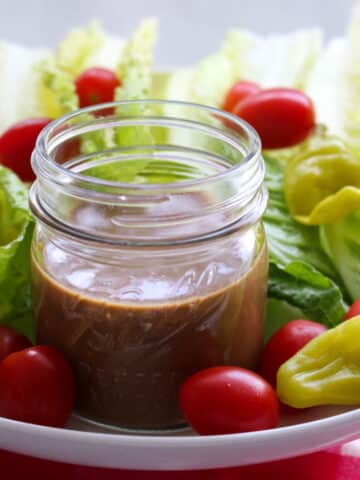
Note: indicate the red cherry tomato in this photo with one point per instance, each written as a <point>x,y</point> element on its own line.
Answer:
<point>288,340</point>
<point>17,144</point>
<point>282,116</point>
<point>221,400</point>
<point>96,85</point>
<point>354,310</point>
<point>37,386</point>
<point>238,92</point>
<point>11,341</point>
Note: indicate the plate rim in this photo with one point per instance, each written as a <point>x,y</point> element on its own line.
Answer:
<point>341,426</point>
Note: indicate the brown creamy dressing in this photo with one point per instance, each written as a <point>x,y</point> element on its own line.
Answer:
<point>135,330</point>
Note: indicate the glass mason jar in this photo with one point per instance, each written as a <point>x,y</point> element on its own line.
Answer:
<point>149,259</point>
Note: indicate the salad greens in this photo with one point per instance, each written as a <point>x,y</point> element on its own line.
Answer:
<point>312,221</point>
<point>302,286</point>
<point>134,69</point>
<point>74,54</point>
<point>341,241</point>
<point>18,83</point>
<point>301,274</point>
<point>16,227</point>
<point>288,240</point>
<point>135,65</point>
<point>334,84</point>
<point>271,61</point>
<point>49,91</point>
<point>313,186</point>
<point>56,88</point>
<point>37,82</point>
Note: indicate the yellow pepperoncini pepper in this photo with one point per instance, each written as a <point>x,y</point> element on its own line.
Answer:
<point>324,372</point>
<point>322,181</point>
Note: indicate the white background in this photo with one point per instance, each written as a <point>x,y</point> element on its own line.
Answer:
<point>189,29</point>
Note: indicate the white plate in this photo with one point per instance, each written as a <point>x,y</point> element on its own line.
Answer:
<point>82,444</point>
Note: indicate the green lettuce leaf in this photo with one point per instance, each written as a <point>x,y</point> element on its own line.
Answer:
<point>278,59</point>
<point>19,83</point>
<point>35,82</point>
<point>302,286</point>
<point>56,89</point>
<point>56,92</point>
<point>334,84</point>
<point>341,241</point>
<point>302,279</point>
<point>16,227</point>
<point>134,70</point>
<point>278,313</point>
<point>274,60</point>
<point>73,55</point>
<point>288,240</point>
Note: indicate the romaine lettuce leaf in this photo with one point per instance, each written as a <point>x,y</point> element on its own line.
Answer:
<point>37,83</point>
<point>19,83</point>
<point>159,82</point>
<point>278,313</point>
<point>74,53</point>
<point>324,83</point>
<point>341,241</point>
<point>109,53</point>
<point>302,278</point>
<point>56,89</point>
<point>302,286</point>
<point>274,60</point>
<point>134,70</point>
<point>16,227</point>
<point>288,240</point>
<point>214,75</point>
<point>334,84</point>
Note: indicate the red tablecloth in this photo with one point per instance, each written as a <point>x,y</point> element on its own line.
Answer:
<point>333,464</point>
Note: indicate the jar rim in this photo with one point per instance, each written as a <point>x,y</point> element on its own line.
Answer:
<point>237,197</point>
<point>253,138</point>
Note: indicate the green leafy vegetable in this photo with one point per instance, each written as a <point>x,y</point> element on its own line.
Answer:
<point>206,86</point>
<point>278,313</point>
<point>275,60</point>
<point>288,240</point>
<point>16,227</point>
<point>73,55</point>
<point>302,278</point>
<point>302,286</point>
<point>56,90</point>
<point>19,83</point>
<point>35,82</point>
<point>341,241</point>
<point>271,61</point>
<point>134,70</point>
<point>334,84</point>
